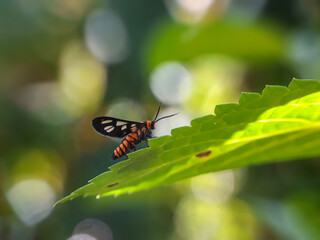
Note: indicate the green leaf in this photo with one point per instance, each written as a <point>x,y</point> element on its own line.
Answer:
<point>281,124</point>
<point>170,41</point>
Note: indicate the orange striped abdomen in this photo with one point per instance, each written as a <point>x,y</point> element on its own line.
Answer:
<point>127,144</point>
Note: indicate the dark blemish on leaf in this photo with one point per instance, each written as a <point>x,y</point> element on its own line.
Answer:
<point>204,154</point>
<point>113,184</point>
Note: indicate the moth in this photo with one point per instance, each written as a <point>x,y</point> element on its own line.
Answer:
<point>131,132</point>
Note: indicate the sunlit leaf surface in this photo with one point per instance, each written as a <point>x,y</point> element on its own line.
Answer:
<point>283,123</point>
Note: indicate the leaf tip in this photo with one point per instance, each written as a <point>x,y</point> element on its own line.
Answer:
<point>248,97</point>
<point>222,109</point>
<point>67,198</point>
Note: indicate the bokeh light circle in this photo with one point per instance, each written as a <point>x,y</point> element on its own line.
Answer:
<point>216,79</point>
<point>305,49</point>
<point>31,200</point>
<point>213,187</point>
<point>200,11</point>
<point>171,83</point>
<point>195,6</point>
<point>106,36</point>
<point>82,80</point>
<point>201,220</point>
<point>82,236</point>
<point>91,229</point>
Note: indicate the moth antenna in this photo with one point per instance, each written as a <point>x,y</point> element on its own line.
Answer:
<point>167,117</point>
<point>157,112</point>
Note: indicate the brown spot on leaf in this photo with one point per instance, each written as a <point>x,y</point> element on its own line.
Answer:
<point>204,154</point>
<point>113,184</point>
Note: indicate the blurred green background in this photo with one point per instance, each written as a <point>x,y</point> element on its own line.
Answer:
<point>63,63</point>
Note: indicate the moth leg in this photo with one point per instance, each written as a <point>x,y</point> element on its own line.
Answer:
<point>147,142</point>
<point>144,136</point>
<point>132,146</point>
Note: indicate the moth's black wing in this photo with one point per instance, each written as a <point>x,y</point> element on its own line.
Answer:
<point>113,127</point>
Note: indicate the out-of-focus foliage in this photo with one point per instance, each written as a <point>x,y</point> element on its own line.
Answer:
<point>288,216</point>
<point>223,38</point>
<point>63,63</point>
<point>283,124</point>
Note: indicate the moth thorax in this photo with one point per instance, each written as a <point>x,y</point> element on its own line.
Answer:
<point>148,124</point>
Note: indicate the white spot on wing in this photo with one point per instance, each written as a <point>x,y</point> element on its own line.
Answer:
<point>106,121</point>
<point>119,123</point>
<point>109,128</point>
<point>123,127</point>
